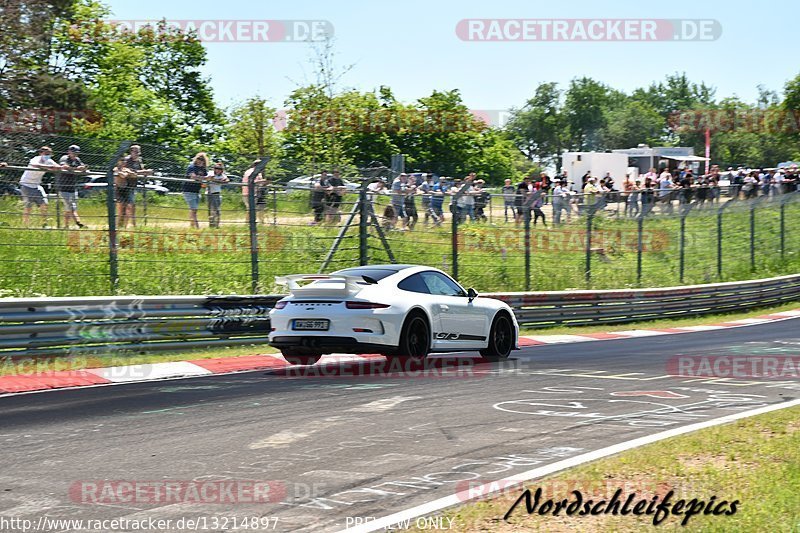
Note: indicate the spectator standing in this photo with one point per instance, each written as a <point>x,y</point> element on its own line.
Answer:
<point>633,199</point>
<point>627,188</point>
<point>560,201</point>
<point>410,206</point>
<point>66,183</point>
<point>508,199</point>
<point>481,200</point>
<point>665,188</point>
<point>648,195</point>
<point>425,190</point>
<point>398,193</point>
<point>438,190</point>
<point>522,191</point>
<point>333,198</point>
<point>537,205</point>
<point>318,191</point>
<point>133,161</point>
<point>125,180</point>
<point>196,174</point>
<point>749,188</point>
<point>466,202</point>
<point>214,192</point>
<point>30,184</point>
<point>590,192</point>
<point>373,190</point>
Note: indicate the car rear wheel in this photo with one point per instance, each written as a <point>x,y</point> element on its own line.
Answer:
<point>296,358</point>
<point>415,338</point>
<point>501,339</point>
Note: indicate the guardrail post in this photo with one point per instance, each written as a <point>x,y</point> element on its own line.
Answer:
<point>113,262</point>
<point>363,209</point>
<point>251,223</point>
<point>589,218</point>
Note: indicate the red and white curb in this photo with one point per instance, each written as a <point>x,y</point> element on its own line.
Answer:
<point>117,375</point>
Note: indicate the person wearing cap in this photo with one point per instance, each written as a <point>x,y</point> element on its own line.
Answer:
<point>30,184</point>
<point>127,182</point>
<point>66,183</point>
<point>437,191</point>
<point>590,191</point>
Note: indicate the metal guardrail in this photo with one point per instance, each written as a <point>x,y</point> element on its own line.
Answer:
<point>58,326</point>
<point>574,308</point>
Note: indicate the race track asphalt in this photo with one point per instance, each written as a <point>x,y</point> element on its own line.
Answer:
<point>331,445</point>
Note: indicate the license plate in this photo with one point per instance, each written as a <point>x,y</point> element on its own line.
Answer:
<point>311,325</point>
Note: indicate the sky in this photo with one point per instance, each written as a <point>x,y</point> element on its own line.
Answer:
<point>413,47</point>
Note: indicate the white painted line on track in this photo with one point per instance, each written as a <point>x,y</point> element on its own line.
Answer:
<point>506,483</point>
<point>148,372</point>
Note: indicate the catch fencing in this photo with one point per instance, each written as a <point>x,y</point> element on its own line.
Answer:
<point>282,224</point>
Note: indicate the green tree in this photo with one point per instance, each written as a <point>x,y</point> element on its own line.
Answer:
<point>538,128</point>
<point>586,103</point>
<point>635,122</point>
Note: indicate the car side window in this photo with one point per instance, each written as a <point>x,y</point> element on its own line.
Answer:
<point>441,285</point>
<point>414,284</point>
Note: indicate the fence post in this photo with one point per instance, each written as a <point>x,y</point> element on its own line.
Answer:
<point>640,231</point>
<point>363,209</point>
<point>527,220</point>
<point>274,205</point>
<point>752,236</point>
<point>783,226</point>
<point>682,253</point>
<point>454,236</point>
<point>251,222</point>
<point>589,217</point>
<point>113,263</point>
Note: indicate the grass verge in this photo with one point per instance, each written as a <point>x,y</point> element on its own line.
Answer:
<point>755,461</point>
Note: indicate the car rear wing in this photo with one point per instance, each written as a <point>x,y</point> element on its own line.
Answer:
<point>322,285</point>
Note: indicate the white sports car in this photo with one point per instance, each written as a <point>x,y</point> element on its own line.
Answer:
<point>396,310</point>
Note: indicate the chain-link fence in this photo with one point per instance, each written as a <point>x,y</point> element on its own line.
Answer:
<point>164,227</point>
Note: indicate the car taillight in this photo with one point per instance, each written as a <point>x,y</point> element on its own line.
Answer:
<point>365,305</point>
<point>280,305</point>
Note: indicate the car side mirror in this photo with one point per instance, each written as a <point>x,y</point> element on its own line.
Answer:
<point>471,294</point>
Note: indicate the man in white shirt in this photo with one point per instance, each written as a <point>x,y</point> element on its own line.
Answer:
<point>560,201</point>
<point>31,184</point>
<point>665,187</point>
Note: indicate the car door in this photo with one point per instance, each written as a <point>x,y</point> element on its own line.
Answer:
<point>463,323</point>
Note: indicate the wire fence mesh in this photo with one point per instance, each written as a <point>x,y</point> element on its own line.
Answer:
<point>178,229</point>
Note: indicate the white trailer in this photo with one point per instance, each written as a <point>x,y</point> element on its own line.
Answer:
<point>597,164</point>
